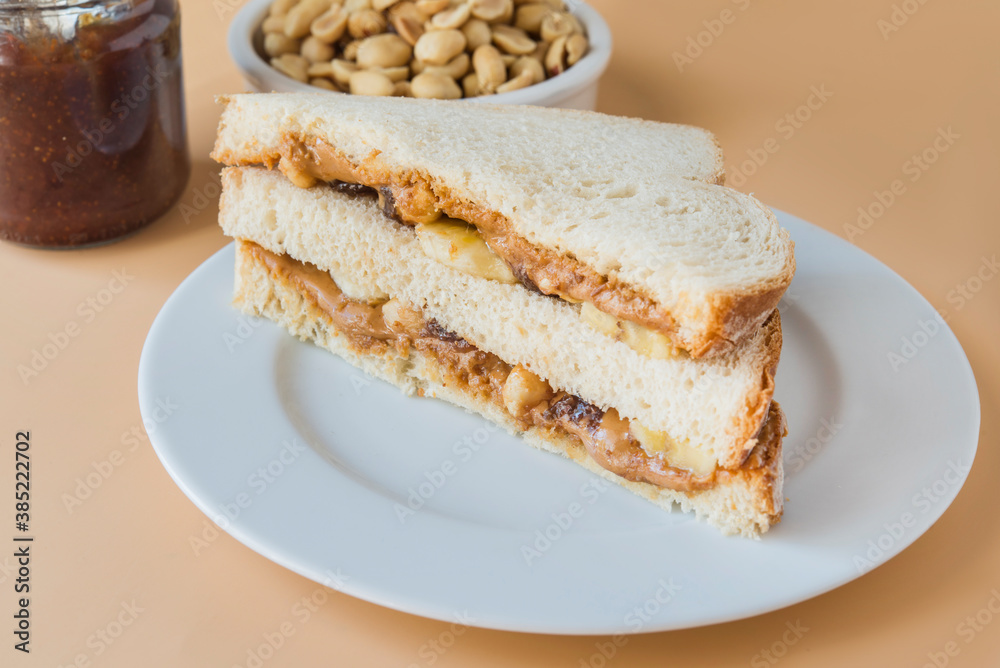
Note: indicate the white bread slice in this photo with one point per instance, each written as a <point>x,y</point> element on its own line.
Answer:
<point>717,404</point>
<point>633,201</point>
<point>746,502</point>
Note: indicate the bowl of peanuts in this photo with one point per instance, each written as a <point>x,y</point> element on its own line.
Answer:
<point>539,52</point>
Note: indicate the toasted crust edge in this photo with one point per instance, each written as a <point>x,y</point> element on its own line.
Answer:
<point>753,420</point>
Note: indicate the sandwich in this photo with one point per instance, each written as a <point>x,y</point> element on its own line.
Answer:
<point>582,280</point>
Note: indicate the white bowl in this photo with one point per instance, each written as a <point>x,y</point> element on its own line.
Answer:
<point>576,88</point>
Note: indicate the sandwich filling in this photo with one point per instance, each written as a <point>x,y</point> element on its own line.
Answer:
<point>390,326</point>
<point>412,200</point>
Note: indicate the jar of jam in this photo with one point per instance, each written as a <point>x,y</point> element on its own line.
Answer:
<point>93,142</point>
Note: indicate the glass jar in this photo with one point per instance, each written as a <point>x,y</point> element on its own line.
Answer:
<point>93,142</point>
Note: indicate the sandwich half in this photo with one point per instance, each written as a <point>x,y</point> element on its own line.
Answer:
<point>624,219</point>
<point>334,267</point>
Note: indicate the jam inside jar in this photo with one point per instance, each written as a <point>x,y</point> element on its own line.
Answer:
<point>93,142</point>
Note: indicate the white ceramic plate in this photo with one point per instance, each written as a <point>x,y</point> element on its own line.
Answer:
<point>878,450</point>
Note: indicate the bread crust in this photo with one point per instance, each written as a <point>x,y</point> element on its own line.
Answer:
<point>745,501</point>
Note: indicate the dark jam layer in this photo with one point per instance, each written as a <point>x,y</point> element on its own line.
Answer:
<point>93,143</point>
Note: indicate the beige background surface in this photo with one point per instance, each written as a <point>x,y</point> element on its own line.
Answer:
<point>128,544</point>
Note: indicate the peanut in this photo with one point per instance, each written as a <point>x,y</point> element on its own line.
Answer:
<point>278,44</point>
<point>301,16</point>
<point>470,85</point>
<point>331,25</point>
<point>523,390</point>
<point>491,10</point>
<point>292,65</point>
<point>529,17</point>
<point>321,70</point>
<point>342,71</point>
<point>430,7</point>
<point>477,32</point>
<point>402,318</point>
<point>382,5</point>
<point>451,18</point>
<point>489,68</point>
<point>365,23</point>
<point>408,28</point>
<point>555,58</point>
<point>383,51</point>
<point>367,82</point>
<point>409,10</point>
<point>530,65</point>
<point>522,80</point>
<point>512,40</point>
<point>395,74</point>
<point>555,25</point>
<point>274,24</point>
<point>281,7</point>
<point>315,50</point>
<point>438,86</point>
<point>324,83</point>
<point>417,203</point>
<point>351,50</point>
<point>440,46</point>
<point>576,48</point>
<point>455,68</point>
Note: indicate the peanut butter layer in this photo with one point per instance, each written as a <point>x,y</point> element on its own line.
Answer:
<point>413,200</point>
<point>362,323</point>
<point>483,375</point>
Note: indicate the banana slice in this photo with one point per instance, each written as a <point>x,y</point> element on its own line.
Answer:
<point>460,246</point>
<point>643,340</point>
<point>601,321</point>
<point>676,454</point>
